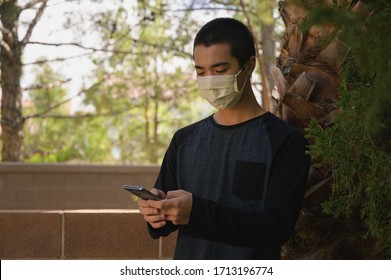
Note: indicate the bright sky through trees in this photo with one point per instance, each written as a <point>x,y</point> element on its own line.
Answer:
<point>78,67</point>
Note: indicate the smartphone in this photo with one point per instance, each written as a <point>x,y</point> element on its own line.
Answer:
<point>141,192</point>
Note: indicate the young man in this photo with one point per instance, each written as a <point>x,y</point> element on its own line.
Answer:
<point>233,183</point>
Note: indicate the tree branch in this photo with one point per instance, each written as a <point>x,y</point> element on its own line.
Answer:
<point>43,113</point>
<point>108,50</point>
<point>6,40</point>
<point>82,116</point>
<point>59,83</point>
<point>31,4</point>
<point>192,9</point>
<point>7,33</point>
<point>42,61</point>
<point>37,17</point>
<point>46,111</point>
<point>266,91</point>
<point>4,46</point>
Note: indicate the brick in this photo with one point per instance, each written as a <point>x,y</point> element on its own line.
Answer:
<point>30,235</point>
<point>108,235</point>
<point>16,180</point>
<point>142,180</point>
<point>47,181</point>
<point>113,181</point>
<point>7,198</point>
<point>25,197</point>
<point>73,199</point>
<point>81,181</point>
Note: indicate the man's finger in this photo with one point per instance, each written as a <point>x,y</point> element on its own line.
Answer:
<point>158,224</point>
<point>155,203</point>
<point>154,218</point>
<point>159,193</point>
<point>148,211</point>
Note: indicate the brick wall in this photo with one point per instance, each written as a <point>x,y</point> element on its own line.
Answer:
<point>79,234</point>
<point>44,213</point>
<point>60,186</point>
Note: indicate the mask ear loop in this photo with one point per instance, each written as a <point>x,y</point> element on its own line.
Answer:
<point>236,79</point>
<point>240,71</point>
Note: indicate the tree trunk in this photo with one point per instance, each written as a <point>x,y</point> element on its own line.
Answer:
<point>268,57</point>
<point>11,71</point>
<point>265,43</point>
<point>307,79</point>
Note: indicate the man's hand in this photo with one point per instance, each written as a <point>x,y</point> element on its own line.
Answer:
<point>176,207</point>
<point>152,214</point>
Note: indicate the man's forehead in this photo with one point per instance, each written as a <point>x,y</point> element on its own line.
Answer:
<point>221,47</point>
<point>213,53</point>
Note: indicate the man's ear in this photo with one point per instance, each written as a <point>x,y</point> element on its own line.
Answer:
<point>250,65</point>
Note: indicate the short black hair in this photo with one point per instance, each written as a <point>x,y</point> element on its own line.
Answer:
<point>228,31</point>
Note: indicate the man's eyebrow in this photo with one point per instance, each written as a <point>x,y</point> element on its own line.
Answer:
<point>222,63</point>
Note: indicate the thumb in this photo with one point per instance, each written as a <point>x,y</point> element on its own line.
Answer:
<point>159,193</point>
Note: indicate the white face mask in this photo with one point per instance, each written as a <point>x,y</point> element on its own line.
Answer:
<point>221,91</point>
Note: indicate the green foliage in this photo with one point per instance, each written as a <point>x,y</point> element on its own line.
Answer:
<point>150,96</point>
<point>143,84</point>
<point>358,144</point>
<point>55,137</point>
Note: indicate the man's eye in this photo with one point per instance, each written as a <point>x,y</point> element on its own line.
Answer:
<point>221,71</point>
<point>200,73</point>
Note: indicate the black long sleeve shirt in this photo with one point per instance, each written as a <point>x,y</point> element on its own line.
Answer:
<point>248,182</point>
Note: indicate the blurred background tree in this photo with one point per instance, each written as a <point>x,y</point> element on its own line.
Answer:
<point>50,133</point>
<point>141,86</point>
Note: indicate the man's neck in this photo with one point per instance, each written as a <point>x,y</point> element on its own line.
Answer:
<point>247,109</point>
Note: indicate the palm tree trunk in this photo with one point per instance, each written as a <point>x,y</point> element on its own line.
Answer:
<point>307,76</point>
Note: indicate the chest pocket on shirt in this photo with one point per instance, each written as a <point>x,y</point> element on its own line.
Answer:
<point>249,179</point>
